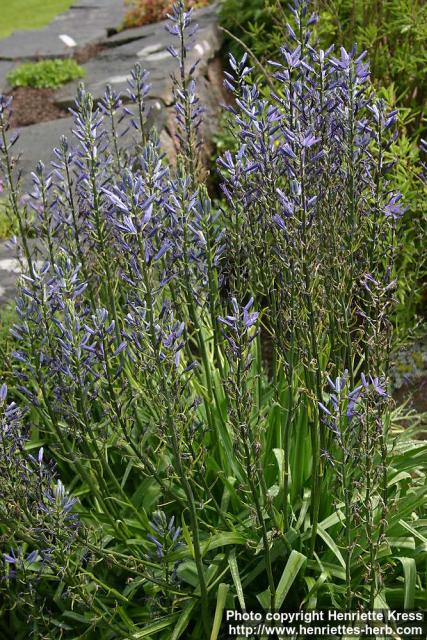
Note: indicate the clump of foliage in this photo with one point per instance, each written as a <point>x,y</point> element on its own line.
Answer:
<point>7,319</point>
<point>7,226</point>
<point>394,33</point>
<point>45,74</point>
<point>205,419</point>
<point>148,11</point>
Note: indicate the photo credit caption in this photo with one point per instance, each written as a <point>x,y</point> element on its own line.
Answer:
<point>387,623</point>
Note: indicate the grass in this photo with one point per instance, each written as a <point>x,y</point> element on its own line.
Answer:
<point>29,14</point>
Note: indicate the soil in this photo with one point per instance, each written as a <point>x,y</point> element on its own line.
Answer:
<point>416,392</point>
<point>31,106</point>
<point>84,54</point>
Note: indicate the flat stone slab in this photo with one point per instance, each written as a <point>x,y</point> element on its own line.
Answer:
<point>85,22</point>
<point>36,142</point>
<point>115,70</point>
<point>129,35</point>
<point>151,50</point>
<point>202,17</point>
<point>9,271</point>
<point>11,268</point>
<point>5,67</point>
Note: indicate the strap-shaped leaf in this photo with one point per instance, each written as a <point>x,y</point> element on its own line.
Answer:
<point>234,570</point>
<point>219,609</point>
<point>410,576</point>
<point>154,627</point>
<point>331,544</point>
<point>183,621</point>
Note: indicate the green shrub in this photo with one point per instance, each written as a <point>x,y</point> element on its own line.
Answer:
<point>7,318</point>
<point>46,74</point>
<point>6,227</point>
<point>393,31</point>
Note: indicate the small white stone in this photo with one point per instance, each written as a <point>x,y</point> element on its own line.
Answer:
<point>67,40</point>
<point>158,106</point>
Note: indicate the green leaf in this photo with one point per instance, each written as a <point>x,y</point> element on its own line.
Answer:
<point>290,572</point>
<point>410,576</point>
<point>264,598</point>
<point>219,609</point>
<point>300,451</point>
<point>402,542</point>
<point>126,473</point>
<point>187,536</point>
<point>86,619</point>
<point>304,508</point>
<point>334,570</point>
<point>313,586</point>
<point>293,565</point>
<point>187,571</point>
<point>183,621</point>
<point>280,457</point>
<point>414,532</point>
<point>380,602</point>
<point>403,475</point>
<point>156,626</point>
<point>331,544</point>
<point>234,570</point>
<point>333,519</point>
<point>222,540</point>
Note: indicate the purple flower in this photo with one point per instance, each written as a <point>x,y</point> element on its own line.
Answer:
<point>394,207</point>
<point>249,319</point>
<point>3,393</point>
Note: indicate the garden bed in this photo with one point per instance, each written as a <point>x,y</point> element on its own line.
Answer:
<point>31,106</point>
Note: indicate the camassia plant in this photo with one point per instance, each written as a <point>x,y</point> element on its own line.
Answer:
<point>198,416</point>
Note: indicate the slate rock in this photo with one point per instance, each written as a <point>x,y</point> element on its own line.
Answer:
<point>115,70</point>
<point>130,35</point>
<point>9,271</point>
<point>114,65</point>
<point>11,268</point>
<point>36,142</point>
<point>5,67</point>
